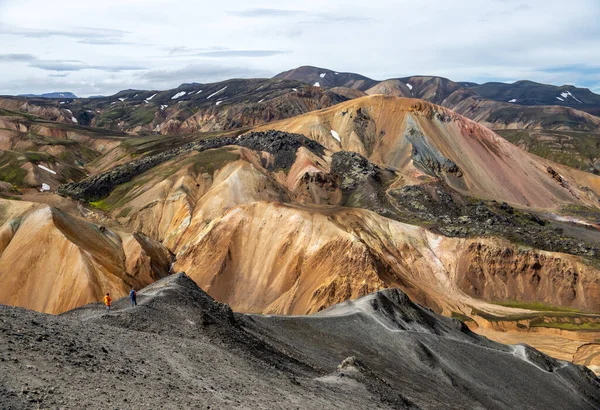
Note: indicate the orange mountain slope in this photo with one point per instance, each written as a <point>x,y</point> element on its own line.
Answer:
<point>393,131</point>
<point>51,261</point>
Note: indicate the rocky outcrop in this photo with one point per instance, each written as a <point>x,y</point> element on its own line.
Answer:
<point>456,215</point>
<point>497,273</point>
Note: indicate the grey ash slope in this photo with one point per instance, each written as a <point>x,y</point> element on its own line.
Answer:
<point>433,360</point>
<point>179,348</point>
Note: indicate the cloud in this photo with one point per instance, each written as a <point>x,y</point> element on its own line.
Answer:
<point>220,52</point>
<point>107,42</point>
<point>73,65</point>
<point>506,12</point>
<point>240,53</point>
<point>258,13</point>
<point>115,68</point>
<point>201,73</point>
<point>75,32</point>
<point>307,17</point>
<point>57,65</point>
<point>574,68</point>
<point>64,65</point>
<point>17,57</point>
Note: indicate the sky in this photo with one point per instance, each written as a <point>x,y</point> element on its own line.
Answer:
<point>100,47</point>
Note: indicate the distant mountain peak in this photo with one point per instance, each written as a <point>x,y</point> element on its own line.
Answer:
<point>327,78</point>
<point>55,94</point>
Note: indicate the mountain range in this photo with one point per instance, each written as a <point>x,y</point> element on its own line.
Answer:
<point>290,198</point>
<point>557,123</point>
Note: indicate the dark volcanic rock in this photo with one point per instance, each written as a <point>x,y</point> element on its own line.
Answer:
<point>282,145</point>
<point>362,182</point>
<point>454,215</point>
<point>352,168</point>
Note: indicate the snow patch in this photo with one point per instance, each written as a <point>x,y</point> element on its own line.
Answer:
<point>178,95</point>
<point>322,75</point>
<point>47,169</point>
<point>295,89</point>
<point>74,120</point>
<point>567,94</point>
<point>514,100</point>
<point>151,97</point>
<point>218,102</point>
<point>45,187</point>
<point>316,84</point>
<point>122,99</point>
<point>62,102</point>
<point>213,94</point>
<point>261,100</point>
<point>409,86</point>
<point>336,135</point>
<point>198,92</point>
<point>337,73</point>
<point>69,111</point>
<point>162,107</point>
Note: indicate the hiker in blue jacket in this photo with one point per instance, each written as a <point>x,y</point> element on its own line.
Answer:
<point>133,296</point>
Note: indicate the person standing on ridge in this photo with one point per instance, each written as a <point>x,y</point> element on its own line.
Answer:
<point>133,297</point>
<point>107,301</point>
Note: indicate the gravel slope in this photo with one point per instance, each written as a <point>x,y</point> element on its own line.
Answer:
<point>179,348</point>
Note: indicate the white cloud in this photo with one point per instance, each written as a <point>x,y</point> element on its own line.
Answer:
<point>205,41</point>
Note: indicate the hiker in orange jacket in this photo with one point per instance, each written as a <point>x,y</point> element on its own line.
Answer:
<point>107,301</point>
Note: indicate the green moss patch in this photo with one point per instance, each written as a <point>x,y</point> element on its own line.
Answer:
<point>461,317</point>
<point>587,326</point>
<point>539,306</point>
<point>101,204</point>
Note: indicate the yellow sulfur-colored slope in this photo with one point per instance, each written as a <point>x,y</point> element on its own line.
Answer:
<point>289,259</point>
<point>52,262</point>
